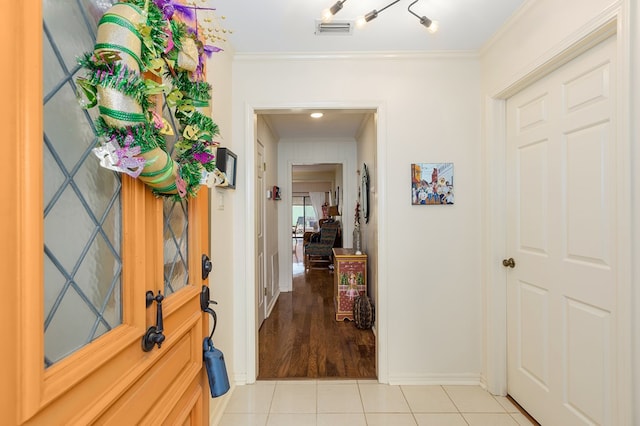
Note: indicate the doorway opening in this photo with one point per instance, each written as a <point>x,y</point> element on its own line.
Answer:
<point>301,338</point>
<point>282,151</point>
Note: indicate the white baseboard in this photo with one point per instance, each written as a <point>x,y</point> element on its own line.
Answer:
<point>273,303</point>
<point>240,379</point>
<point>435,379</point>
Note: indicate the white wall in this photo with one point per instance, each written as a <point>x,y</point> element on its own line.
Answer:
<point>634,16</point>
<point>366,149</point>
<point>538,27</point>
<point>305,151</point>
<point>430,301</point>
<point>542,30</point>
<point>222,238</point>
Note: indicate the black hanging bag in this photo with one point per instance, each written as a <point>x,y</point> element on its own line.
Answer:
<point>213,358</point>
<point>216,369</point>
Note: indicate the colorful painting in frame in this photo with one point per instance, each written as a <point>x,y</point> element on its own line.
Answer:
<point>432,183</point>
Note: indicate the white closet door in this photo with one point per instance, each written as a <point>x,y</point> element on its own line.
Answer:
<point>561,187</point>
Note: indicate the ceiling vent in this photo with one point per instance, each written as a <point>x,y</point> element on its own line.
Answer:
<point>334,27</point>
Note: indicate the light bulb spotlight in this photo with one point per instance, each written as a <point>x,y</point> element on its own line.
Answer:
<point>371,16</point>
<point>327,14</point>
<point>431,26</point>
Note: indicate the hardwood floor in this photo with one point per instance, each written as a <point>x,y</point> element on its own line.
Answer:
<point>302,339</point>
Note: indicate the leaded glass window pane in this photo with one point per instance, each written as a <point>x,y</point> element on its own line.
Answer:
<point>176,266</point>
<point>176,225</point>
<point>82,216</point>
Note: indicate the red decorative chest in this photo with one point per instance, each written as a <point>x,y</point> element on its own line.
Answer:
<point>350,280</point>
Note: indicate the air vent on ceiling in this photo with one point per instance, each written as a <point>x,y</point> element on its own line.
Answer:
<point>334,27</point>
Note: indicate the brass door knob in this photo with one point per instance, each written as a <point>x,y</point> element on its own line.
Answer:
<point>509,262</point>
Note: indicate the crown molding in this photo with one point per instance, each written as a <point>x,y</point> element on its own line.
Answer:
<point>391,55</point>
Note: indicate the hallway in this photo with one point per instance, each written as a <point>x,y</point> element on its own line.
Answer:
<point>302,339</point>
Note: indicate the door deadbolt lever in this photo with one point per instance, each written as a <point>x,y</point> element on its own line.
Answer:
<point>207,266</point>
<point>509,263</point>
<point>154,335</point>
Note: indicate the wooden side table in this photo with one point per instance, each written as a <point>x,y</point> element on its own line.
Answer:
<point>350,280</point>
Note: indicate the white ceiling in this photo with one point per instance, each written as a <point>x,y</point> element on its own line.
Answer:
<point>299,125</point>
<point>285,26</point>
<point>288,27</point>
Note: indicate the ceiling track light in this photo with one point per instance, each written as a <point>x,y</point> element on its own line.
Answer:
<point>431,26</point>
<point>336,7</point>
<point>327,14</point>
<point>374,13</point>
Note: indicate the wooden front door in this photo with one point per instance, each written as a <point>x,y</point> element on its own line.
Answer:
<point>72,352</point>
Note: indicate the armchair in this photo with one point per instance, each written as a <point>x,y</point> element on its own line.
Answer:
<point>321,251</point>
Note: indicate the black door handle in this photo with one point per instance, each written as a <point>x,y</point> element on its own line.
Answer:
<point>205,301</point>
<point>154,335</point>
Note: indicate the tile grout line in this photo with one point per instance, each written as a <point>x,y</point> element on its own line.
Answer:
<point>273,395</point>
<point>454,404</point>
<point>408,405</point>
<point>364,412</point>
<point>507,410</point>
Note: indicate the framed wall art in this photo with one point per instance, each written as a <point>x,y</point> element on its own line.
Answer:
<point>432,183</point>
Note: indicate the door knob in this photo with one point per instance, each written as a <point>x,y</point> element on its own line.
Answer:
<point>510,263</point>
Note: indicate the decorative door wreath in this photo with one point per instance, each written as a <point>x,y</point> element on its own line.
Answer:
<point>137,38</point>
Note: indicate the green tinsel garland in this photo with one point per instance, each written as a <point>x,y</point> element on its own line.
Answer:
<point>199,90</point>
<point>179,31</point>
<point>191,174</point>
<point>145,135</point>
<point>153,33</point>
<point>199,120</point>
<point>116,76</point>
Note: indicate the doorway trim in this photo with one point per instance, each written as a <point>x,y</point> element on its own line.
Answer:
<point>611,21</point>
<point>248,306</point>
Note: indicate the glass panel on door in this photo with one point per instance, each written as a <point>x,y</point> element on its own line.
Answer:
<point>176,266</point>
<point>303,214</point>
<point>82,206</point>
<point>176,224</point>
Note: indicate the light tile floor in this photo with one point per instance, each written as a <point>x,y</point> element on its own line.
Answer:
<point>366,403</point>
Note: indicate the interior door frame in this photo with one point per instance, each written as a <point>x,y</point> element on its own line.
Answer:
<point>612,21</point>
<point>247,305</point>
<point>262,265</point>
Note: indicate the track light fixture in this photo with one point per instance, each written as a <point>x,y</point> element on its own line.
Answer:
<point>327,14</point>
<point>374,13</point>
<point>431,26</point>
